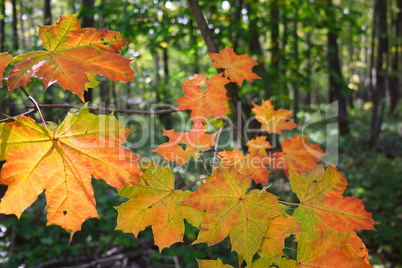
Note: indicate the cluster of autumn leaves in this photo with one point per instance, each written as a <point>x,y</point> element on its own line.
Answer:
<point>61,159</point>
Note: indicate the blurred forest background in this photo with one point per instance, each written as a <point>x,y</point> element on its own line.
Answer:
<point>312,53</point>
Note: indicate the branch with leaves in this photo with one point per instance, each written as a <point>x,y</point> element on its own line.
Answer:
<point>62,159</point>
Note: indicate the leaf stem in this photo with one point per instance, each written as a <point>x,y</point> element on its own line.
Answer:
<point>36,105</point>
<point>205,167</point>
<point>190,184</point>
<point>218,137</point>
<point>287,203</point>
<point>235,128</point>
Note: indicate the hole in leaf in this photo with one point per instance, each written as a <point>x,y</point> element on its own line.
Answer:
<point>105,43</point>
<point>314,181</point>
<point>183,146</point>
<point>126,74</point>
<point>64,212</point>
<point>102,39</point>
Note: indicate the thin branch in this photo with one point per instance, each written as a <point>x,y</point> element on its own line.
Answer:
<point>125,111</point>
<point>31,111</point>
<point>218,137</point>
<point>36,105</point>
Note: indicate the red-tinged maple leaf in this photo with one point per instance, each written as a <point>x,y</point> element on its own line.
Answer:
<point>279,228</point>
<point>253,164</point>
<point>71,54</point>
<point>212,264</point>
<point>231,211</point>
<point>158,204</point>
<point>197,80</point>
<point>322,204</point>
<point>218,83</point>
<point>196,141</point>
<point>297,156</point>
<point>62,161</point>
<point>237,68</point>
<point>202,103</point>
<point>273,121</point>
<point>258,144</point>
<point>328,250</point>
<point>5,59</point>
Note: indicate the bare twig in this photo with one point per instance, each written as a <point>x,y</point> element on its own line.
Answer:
<point>218,137</point>
<point>125,111</point>
<point>31,111</point>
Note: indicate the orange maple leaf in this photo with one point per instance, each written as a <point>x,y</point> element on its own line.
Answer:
<point>279,228</point>
<point>330,249</point>
<point>297,156</point>
<point>217,82</point>
<point>259,145</point>
<point>322,204</point>
<point>62,161</point>
<point>196,141</point>
<point>158,204</point>
<point>5,59</point>
<point>200,102</point>
<point>73,54</point>
<point>231,211</point>
<point>237,68</point>
<point>253,164</point>
<point>212,264</point>
<point>197,80</point>
<point>273,121</point>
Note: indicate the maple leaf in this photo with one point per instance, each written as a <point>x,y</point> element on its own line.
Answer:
<point>158,204</point>
<point>200,102</point>
<point>71,54</point>
<point>259,145</point>
<point>237,68</point>
<point>330,249</point>
<point>253,164</point>
<point>62,161</point>
<point>5,59</point>
<point>196,141</point>
<point>279,228</point>
<point>297,156</point>
<point>218,83</point>
<point>273,121</point>
<point>231,211</point>
<point>322,204</point>
<point>197,80</point>
<point>212,264</point>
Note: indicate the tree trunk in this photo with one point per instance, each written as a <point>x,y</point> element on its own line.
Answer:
<point>308,69</point>
<point>2,23</point>
<point>381,73</point>
<point>15,25</point>
<point>47,17</point>
<point>255,49</point>
<point>88,21</point>
<point>336,84</point>
<point>395,80</point>
<point>274,68</point>
<point>295,81</point>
